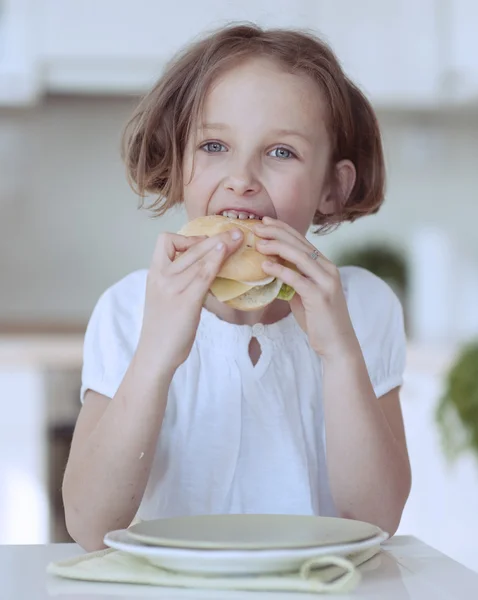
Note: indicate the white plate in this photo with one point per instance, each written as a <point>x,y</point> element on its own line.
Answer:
<point>231,562</point>
<point>251,532</point>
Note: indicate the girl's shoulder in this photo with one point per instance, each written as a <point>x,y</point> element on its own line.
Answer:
<point>118,313</point>
<point>124,299</point>
<point>129,290</point>
<point>371,301</point>
<point>112,334</point>
<point>378,320</point>
<point>362,287</point>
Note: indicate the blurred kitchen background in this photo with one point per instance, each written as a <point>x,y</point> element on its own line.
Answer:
<point>72,71</point>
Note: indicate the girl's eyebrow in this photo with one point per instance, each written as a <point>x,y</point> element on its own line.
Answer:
<point>293,132</point>
<point>278,132</point>
<point>219,126</point>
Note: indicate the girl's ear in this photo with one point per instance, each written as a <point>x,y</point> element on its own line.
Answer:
<point>338,191</point>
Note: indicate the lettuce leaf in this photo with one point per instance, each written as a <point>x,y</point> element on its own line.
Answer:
<point>286,292</point>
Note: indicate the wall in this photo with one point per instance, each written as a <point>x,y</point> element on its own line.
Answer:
<point>68,220</point>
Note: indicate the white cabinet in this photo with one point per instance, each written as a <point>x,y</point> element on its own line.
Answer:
<point>441,509</point>
<point>122,45</point>
<point>390,48</point>
<point>23,457</point>
<point>460,49</point>
<point>402,53</point>
<point>19,75</point>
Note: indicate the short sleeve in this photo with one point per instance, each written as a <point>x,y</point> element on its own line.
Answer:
<point>377,317</point>
<point>112,335</point>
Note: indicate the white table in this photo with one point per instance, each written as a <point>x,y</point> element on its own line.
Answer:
<point>407,569</point>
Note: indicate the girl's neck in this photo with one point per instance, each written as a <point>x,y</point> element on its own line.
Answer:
<point>272,313</point>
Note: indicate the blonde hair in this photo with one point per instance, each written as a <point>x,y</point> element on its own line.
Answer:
<point>155,138</point>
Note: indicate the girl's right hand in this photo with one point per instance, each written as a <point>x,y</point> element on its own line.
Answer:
<point>175,293</point>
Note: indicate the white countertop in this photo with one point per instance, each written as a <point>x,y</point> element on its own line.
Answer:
<point>56,351</point>
<point>60,351</point>
<point>407,569</point>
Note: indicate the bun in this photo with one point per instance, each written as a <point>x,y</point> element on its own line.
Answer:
<point>246,263</point>
<point>241,283</point>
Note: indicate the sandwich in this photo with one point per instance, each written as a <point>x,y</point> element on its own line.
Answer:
<point>241,283</point>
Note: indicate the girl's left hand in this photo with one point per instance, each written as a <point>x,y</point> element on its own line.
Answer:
<point>319,304</point>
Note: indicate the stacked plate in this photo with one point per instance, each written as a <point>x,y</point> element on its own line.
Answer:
<point>243,544</point>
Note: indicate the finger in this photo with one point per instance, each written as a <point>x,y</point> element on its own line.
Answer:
<point>301,284</point>
<point>231,239</point>
<point>268,223</point>
<point>169,244</point>
<point>198,278</point>
<point>314,269</point>
<point>274,232</point>
<point>179,282</point>
<point>282,231</point>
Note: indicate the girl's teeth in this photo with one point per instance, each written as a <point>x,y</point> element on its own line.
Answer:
<point>231,214</point>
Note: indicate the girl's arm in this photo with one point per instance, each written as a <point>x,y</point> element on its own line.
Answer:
<point>367,455</point>
<point>366,451</point>
<point>111,454</point>
<point>115,439</point>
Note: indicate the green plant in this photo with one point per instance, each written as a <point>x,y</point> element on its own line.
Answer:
<point>457,411</point>
<point>381,259</point>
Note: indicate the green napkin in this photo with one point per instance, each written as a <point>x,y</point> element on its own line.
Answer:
<point>325,574</point>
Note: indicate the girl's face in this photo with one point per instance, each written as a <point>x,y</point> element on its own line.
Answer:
<point>262,148</point>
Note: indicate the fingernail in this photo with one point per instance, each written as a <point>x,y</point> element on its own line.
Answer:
<point>220,246</point>
<point>236,234</point>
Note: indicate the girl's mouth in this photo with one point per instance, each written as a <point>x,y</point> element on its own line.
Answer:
<point>239,214</point>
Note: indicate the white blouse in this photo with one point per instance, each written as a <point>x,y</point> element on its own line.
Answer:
<point>238,438</point>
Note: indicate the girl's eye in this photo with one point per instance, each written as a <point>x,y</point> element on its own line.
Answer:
<point>282,153</point>
<point>213,147</point>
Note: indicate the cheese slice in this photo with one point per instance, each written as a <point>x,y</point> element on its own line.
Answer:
<point>264,281</point>
<point>227,289</point>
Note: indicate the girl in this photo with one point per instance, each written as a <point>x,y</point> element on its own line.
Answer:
<point>190,407</point>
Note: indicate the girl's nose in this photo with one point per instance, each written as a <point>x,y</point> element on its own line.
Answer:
<point>242,185</point>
